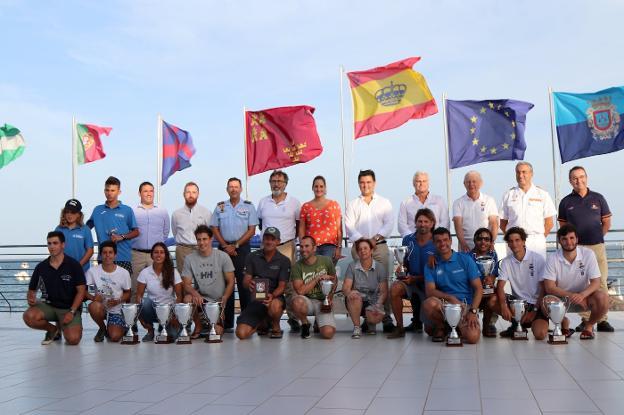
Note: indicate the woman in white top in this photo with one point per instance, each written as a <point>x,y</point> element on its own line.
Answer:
<point>163,285</point>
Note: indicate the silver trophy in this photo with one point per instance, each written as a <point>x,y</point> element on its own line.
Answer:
<point>326,288</point>
<point>556,308</point>
<point>130,313</point>
<point>486,264</point>
<point>453,315</point>
<point>212,311</point>
<point>163,313</point>
<point>400,252</point>
<point>518,306</point>
<point>43,297</point>
<point>183,312</point>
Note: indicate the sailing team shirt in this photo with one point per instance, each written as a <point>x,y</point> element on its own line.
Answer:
<point>524,275</point>
<point>572,276</point>
<point>119,220</point>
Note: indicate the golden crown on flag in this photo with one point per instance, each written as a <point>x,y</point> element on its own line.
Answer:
<point>391,95</point>
<point>603,101</point>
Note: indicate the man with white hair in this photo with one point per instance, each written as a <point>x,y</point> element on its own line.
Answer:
<point>473,211</point>
<point>421,199</point>
<point>529,207</point>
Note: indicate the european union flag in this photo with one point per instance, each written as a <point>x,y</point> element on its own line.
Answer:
<point>177,150</point>
<point>481,131</point>
<point>589,124</point>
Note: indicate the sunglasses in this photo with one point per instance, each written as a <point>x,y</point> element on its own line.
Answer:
<point>484,239</point>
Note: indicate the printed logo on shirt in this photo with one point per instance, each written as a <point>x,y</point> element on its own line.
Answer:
<point>532,269</point>
<point>274,267</point>
<point>77,236</point>
<point>582,268</point>
<point>66,277</point>
<point>120,215</point>
<point>206,275</point>
<point>457,271</point>
<point>594,206</point>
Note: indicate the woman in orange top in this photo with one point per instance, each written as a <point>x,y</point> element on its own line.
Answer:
<point>321,218</point>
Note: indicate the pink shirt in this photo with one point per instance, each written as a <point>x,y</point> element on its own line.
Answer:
<point>322,224</point>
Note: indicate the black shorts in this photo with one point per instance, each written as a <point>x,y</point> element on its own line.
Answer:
<point>365,303</point>
<point>256,312</point>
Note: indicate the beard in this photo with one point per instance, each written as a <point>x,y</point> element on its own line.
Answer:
<point>276,192</point>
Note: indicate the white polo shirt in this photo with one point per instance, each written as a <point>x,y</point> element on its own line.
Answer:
<point>154,288</point>
<point>411,205</point>
<point>524,275</point>
<point>527,210</point>
<point>365,220</point>
<point>474,213</point>
<point>575,276</point>
<point>282,215</point>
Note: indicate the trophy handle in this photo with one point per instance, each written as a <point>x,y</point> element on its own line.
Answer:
<point>568,304</point>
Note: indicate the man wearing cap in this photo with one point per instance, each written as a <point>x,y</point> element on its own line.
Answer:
<point>266,263</point>
<point>185,220</point>
<point>233,223</point>
<point>78,238</point>
<point>114,221</point>
<point>153,224</point>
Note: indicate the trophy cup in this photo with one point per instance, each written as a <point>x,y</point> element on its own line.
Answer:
<point>163,313</point>
<point>486,264</point>
<point>452,315</point>
<point>400,253</point>
<point>518,306</point>
<point>183,313</point>
<point>261,288</point>
<point>326,288</point>
<point>43,298</point>
<point>556,309</point>
<point>130,314</point>
<point>212,310</point>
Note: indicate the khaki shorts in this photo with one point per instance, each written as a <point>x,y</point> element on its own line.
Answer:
<point>314,309</point>
<point>57,314</point>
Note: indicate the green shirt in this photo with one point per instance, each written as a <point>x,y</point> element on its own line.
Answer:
<point>302,271</point>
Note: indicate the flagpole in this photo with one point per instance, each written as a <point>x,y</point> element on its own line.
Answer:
<point>554,153</point>
<point>446,155</point>
<point>342,138</point>
<point>74,147</point>
<point>159,157</point>
<point>245,152</point>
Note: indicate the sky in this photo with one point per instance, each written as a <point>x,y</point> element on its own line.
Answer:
<point>200,63</point>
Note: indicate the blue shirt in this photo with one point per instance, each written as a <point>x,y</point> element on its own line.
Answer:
<point>119,220</point>
<point>586,213</point>
<point>234,221</point>
<point>417,257</point>
<point>494,256</point>
<point>454,276</point>
<point>77,241</point>
<point>153,226</point>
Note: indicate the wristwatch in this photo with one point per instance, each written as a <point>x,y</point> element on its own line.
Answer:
<point>474,311</point>
<point>72,311</point>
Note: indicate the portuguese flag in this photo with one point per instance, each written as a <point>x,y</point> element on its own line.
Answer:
<point>89,147</point>
<point>11,144</point>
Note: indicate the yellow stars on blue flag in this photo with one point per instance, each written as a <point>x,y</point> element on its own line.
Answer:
<point>474,119</point>
<point>475,141</point>
<point>483,110</point>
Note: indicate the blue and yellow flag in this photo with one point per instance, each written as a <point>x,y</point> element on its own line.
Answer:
<point>589,124</point>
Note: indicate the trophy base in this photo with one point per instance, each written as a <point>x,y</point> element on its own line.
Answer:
<point>183,340</point>
<point>488,291</point>
<point>132,339</point>
<point>162,339</point>
<point>520,335</point>
<point>454,342</point>
<point>326,308</point>
<point>214,338</point>
<point>560,339</point>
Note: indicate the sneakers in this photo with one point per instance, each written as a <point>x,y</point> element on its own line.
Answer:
<point>315,327</point>
<point>388,325</point>
<point>357,332</point>
<point>295,327</point>
<point>149,337</point>
<point>50,337</point>
<point>371,329</point>
<point>305,331</point>
<point>364,326</point>
<point>100,335</point>
<point>415,326</point>
<point>604,326</point>
<point>397,333</point>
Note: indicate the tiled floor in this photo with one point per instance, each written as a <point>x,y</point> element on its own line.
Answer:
<point>294,376</point>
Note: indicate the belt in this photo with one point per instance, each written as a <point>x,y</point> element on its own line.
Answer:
<point>187,245</point>
<point>284,243</point>
<point>383,241</point>
<point>234,243</point>
<point>145,251</point>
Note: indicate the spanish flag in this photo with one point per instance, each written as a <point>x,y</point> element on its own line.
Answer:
<point>388,96</point>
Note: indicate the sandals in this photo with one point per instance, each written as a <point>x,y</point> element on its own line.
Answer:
<point>196,335</point>
<point>276,334</point>
<point>568,332</point>
<point>587,335</point>
<point>489,331</point>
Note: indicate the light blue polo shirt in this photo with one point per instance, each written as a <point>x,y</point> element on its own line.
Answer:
<point>77,241</point>
<point>119,220</point>
<point>233,221</point>
<point>454,276</point>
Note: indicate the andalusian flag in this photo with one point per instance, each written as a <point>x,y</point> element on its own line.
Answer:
<point>89,147</point>
<point>388,96</point>
<point>11,144</point>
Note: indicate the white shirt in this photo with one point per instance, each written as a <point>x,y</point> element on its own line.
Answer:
<point>185,220</point>
<point>110,285</point>
<point>411,205</point>
<point>282,215</point>
<point>527,210</point>
<point>573,277</point>
<point>474,213</point>
<point>365,220</point>
<point>154,288</point>
<point>524,275</point>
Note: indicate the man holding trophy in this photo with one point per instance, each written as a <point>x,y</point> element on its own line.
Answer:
<point>573,272</point>
<point>208,277</point>
<point>486,259</point>
<point>111,288</point>
<point>61,281</point>
<point>266,274</point>
<point>314,280</point>
<point>524,270</point>
<point>453,281</point>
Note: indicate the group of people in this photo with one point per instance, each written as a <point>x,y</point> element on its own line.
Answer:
<point>213,253</point>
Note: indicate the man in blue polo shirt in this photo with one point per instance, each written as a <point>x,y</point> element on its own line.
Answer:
<point>114,221</point>
<point>455,278</point>
<point>589,212</point>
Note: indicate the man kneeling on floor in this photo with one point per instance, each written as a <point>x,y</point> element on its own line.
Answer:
<point>455,279</point>
<point>306,276</point>
<point>573,272</point>
<point>267,264</point>
<point>61,281</point>
<point>111,289</point>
